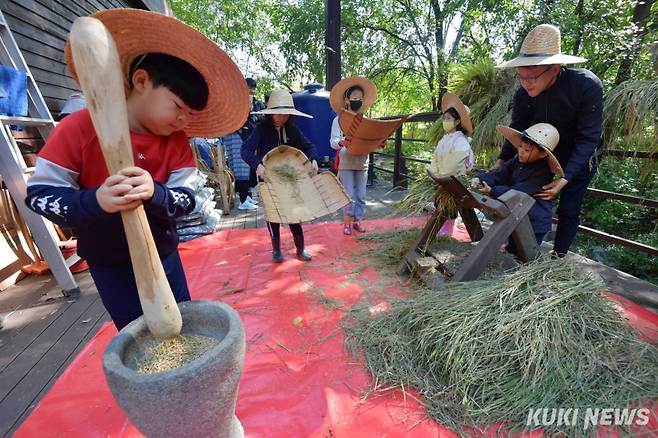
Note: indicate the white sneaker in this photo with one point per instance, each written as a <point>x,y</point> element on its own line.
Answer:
<point>252,201</point>
<point>246,205</point>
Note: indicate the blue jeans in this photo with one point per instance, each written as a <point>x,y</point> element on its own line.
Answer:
<point>568,211</point>
<point>354,182</point>
<point>118,291</point>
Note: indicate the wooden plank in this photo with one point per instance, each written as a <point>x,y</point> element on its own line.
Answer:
<point>472,224</point>
<point>34,46</point>
<point>41,373</point>
<point>62,13</point>
<point>49,23</point>
<point>26,322</point>
<point>91,5</point>
<point>619,240</point>
<point>154,5</point>
<point>29,357</point>
<point>35,60</point>
<point>250,220</point>
<point>84,5</point>
<point>519,204</point>
<point>622,197</point>
<point>432,226</point>
<point>54,79</point>
<point>67,9</point>
<point>102,319</point>
<point>53,91</point>
<point>525,241</point>
<point>28,31</point>
<point>54,104</point>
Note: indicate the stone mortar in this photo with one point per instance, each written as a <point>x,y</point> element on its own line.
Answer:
<point>196,399</point>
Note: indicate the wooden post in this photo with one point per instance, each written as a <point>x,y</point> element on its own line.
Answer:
<point>371,170</point>
<point>332,42</point>
<point>398,154</point>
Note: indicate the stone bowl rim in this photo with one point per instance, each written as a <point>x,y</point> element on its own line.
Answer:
<point>112,360</point>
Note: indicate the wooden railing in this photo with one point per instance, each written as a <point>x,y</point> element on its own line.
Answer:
<point>401,177</point>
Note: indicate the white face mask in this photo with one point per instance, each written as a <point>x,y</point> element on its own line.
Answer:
<point>448,125</point>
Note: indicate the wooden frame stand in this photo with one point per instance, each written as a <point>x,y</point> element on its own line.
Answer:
<point>510,212</point>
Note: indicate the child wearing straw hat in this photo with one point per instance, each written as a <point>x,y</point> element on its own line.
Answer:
<point>178,84</point>
<point>570,99</point>
<point>531,169</point>
<point>453,154</point>
<point>278,128</point>
<point>357,94</point>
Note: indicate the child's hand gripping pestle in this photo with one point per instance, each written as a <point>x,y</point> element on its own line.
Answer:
<point>100,76</point>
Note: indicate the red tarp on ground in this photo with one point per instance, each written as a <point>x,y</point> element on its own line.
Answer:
<point>297,379</point>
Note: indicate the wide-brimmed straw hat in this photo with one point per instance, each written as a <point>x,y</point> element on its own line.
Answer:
<point>544,134</point>
<point>541,47</point>
<point>450,100</point>
<point>337,96</point>
<point>280,102</point>
<point>137,32</point>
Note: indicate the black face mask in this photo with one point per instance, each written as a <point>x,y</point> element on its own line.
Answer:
<point>355,104</point>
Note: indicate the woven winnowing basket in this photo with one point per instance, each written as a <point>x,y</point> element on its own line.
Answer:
<point>290,196</point>
<point>364,135</point>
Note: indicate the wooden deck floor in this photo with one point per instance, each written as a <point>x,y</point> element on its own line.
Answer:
<point>43,331</point>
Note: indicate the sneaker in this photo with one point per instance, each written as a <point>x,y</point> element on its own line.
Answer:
<point>252,201</point>
<point>246,205</point>
<point>358,227</point>
<point>347,229</point>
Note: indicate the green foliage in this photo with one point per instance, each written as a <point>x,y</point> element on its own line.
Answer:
<point>416,49</point>
<point>488,92</point>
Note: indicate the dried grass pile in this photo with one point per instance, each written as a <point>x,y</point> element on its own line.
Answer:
<point>488,351</point>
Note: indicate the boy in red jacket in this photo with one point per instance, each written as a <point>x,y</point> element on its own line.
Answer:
<point>179,84</point>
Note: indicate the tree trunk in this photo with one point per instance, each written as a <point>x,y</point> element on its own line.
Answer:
<point>579,35</point>
<point>440,72</point>
<point>640,14</point>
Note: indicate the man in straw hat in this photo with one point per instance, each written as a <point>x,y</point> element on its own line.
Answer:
<point>570,99</point>
<point>278,128</point>
<point>529,171</point>
<point>178,84</point>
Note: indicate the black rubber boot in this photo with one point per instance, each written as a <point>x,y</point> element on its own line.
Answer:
<point>302,254</point>
<point>277,257</point>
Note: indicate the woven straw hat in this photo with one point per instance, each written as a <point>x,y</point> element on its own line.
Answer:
<point>541,47</point>
<point>280,102</point>
<point>544,134</point>
<point>290,195</point>
<point>450,100</point>
<point>337,96</point>
<point>137,32</point>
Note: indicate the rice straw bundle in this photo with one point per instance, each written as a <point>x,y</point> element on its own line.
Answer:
<point>423,191</point>
<point>488,351</point>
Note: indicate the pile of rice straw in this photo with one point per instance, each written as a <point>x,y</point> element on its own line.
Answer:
<point>488,351</point>
<point>422,191</point>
